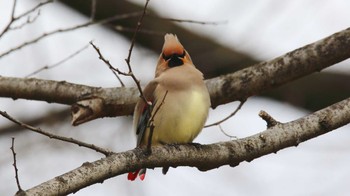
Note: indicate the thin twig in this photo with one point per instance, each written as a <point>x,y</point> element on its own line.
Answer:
<point>224,132</point>
<point>93,10</point>
<point>59,62</point>
<point>15,18</point>
<point>87,24</point>
<point>15,164</point>
<point>115,71</point>
<point>127,60</point>
<point>228,117</point>
<point>28,21</point>
<point>33,9</point>
<point>51,117</point>
<point>195,21</point>
<point>53,136</point>
<point>151,121</point>
<point>13,10</point>
<point>12,19</point>
<point>144,31</point>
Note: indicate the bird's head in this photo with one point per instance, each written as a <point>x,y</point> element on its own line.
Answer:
<point>173,55</point>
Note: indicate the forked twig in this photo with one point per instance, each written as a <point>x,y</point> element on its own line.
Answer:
<point>114,70</point>
<point>53,136</point>
<point>12,19</point>
<point>127,60</point>
<point>28,21</point>
<point>33,9</point>
<point>90,23</point>
<point>15,18</point>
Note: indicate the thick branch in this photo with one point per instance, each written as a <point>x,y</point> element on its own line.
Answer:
<point>114,101</point>
<point>231,87</point>
<point>296,64</point>
<point>204,157</point>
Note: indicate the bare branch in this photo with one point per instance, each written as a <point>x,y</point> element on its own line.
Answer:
<point>12,19</point>
<point>204,157</point>
<point>13,10</point>
<point>15,18</point>
<point>87,110</point>
<point>28,21</point>
<point>50,117</point>
<point>227,88</point>
<point>226,134</point>
<point>33,9</point>
<point>53,136</point>
<point>59,62</point>
<point>144,31</point>
<point>229,116</point>
<point>127,60</point>
<point>269,119</point>
<point>87,24</point>
<point>276,72</point>
<point>151,121</point>
<point>93,10</point>
<point>15,164</point>
<point>115,71</point>
<point>110,102</point>
<point>195,21</point>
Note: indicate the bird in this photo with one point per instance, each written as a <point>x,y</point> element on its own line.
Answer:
<point>176,102</point>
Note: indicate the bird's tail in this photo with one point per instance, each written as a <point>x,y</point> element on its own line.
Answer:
<point>133,175</point>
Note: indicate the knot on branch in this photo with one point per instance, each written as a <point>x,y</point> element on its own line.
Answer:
<point>86,110</point>
<point>271,122</point>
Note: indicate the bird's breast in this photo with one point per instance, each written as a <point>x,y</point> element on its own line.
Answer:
<point>181,116</point>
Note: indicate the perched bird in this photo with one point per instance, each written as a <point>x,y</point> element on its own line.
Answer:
<point>177,101</point>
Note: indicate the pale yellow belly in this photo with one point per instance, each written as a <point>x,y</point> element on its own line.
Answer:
<point>179,120</point>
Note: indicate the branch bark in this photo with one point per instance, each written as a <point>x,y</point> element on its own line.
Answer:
<point>92,102</point>
<point>204,157</point>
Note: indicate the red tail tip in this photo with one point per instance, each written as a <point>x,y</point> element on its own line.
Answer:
<point>133,175</point>
<point>142,176</point>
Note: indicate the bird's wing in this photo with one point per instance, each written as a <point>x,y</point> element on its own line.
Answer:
<point>143,111</point>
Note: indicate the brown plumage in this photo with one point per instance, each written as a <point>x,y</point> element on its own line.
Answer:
<point>182,115</point>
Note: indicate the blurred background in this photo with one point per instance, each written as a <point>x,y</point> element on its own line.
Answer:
<point>244,33</point>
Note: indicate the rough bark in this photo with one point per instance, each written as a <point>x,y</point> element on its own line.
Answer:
<point>204,157</point>
<point>93,102</point>
<point>213,59</point>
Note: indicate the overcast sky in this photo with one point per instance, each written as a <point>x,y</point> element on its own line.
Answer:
<point>265,29</point>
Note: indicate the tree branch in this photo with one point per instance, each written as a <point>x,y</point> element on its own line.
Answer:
<point>57,137</point>
<point>15,165</point>
<point>267,75</point>
<point>86,24</point>
<point>240,85</point>
<point>204,157</point>
<point>212,58</point>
